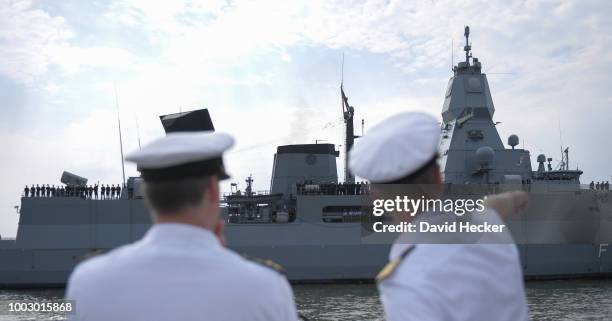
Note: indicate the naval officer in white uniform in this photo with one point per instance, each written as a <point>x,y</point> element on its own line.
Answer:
<point>462,282</point>
<point>180,270</point>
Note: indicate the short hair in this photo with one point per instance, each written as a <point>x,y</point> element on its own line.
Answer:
<point>170,197</point>
<point>421,183</point>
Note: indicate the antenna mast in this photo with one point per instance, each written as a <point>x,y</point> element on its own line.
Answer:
<point>342,71</point>
<point>138,132</point>
<point>120,139</point>
<point>452,55</point>
<point>563,162</point>
<point>347,113</point>
<point>467,47</point>
<point>362,125</point>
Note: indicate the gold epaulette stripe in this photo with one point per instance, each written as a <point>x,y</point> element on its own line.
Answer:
<point>390,268</point>
<point>267,263</point>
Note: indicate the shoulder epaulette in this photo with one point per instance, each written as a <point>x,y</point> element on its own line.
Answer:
<point>390,268</point>
<point>267,263</point>
<point>88,255</point>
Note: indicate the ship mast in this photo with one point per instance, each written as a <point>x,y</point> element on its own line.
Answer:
<point>347,112</point>
<point>249,188</point>
<point>120,138</point>
<point>467,47</point>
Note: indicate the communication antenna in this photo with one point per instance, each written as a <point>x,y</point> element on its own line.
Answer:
<point>362,124</point>
<point>561,142</point>
<point>347,114</point>
<point>342,71</point>
<point>467,47</point>
<point>452,55</point>
<point>120,138</point>
<point>138,133</point>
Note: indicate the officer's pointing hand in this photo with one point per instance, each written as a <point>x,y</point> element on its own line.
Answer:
<point>508,204</point>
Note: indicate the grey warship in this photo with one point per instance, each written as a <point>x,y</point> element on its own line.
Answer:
<point>309,221</point>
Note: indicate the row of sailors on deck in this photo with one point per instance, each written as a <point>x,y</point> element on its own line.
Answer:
<point>90,192</point>
<point>311,188</point>
<point>600,186</point>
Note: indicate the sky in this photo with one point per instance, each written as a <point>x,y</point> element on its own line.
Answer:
<point>269,72</point>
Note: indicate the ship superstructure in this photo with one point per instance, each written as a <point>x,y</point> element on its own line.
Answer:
<point>309,221</point>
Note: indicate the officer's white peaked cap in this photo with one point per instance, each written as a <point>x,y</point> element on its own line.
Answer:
<point>395,148</point>
<point>182,155</point>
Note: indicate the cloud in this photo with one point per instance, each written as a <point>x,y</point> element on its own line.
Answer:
<point>164,16</point>
<point>26,37</point>
<point>74,59</point>
<point>269,73</point>
<point>414,35</point>
<point>31,40</point>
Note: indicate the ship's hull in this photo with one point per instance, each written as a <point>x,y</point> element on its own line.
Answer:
<point>317,264</point>
<point>55,234</point>
<point>51,268</point>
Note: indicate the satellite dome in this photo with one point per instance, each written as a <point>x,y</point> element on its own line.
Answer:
<point>541,158</point>
<point>485,155</point>
<point>513,140</point>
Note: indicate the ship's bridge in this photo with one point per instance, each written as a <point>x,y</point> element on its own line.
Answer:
<point>299,163</point>
<point>470,147</point>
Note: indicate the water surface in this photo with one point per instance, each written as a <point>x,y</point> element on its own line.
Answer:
<point>548,300</point>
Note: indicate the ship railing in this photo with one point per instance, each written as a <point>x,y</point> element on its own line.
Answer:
<point>555,186</point>
<point>242,193</point>
<point>85,192</point>
<point>332,189</point>
<point>534,186</point>
<point>601,187</point>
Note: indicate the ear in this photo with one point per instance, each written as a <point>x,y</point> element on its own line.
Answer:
<point>437,175</point>
<point>218,230</point>
<point>213,190</point>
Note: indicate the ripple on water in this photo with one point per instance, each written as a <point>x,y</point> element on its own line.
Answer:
<point>548,300</point>
<point>339,302</point>
<point>570,300</point>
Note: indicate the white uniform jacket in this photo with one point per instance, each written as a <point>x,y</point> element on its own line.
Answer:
<point>458,282</point>
<point>178,272</point>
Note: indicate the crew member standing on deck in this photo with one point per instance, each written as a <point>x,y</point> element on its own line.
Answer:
<point>180,269</point>
<point>438,281</point>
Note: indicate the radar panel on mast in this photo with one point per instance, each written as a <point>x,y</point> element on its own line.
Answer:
<point>190,121</point>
